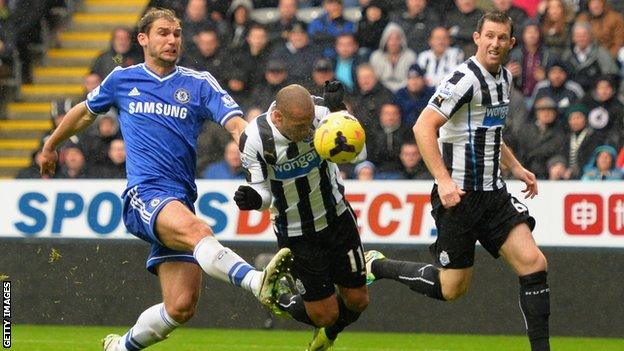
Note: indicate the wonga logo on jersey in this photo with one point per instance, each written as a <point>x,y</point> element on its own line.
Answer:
<point>297,167</point>
<point>495,115</point>
<point>583,214</point>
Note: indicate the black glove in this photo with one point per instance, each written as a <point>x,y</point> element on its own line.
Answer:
<point>247,198</point>
<point>333,94</point>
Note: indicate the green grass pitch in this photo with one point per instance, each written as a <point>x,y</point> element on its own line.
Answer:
<point>57,338</point>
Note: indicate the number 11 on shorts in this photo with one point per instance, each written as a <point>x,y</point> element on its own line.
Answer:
<point>356,257</point>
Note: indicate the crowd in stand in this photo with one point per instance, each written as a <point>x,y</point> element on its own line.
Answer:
<point>566,119</point>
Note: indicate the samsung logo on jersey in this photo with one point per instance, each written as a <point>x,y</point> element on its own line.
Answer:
<point>157,108</point>
<point>299,166</point>
<point>495,115</point>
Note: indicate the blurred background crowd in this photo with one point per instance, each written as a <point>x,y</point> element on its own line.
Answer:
<point>566,120</point>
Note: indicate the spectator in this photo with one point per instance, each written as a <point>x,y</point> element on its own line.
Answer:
<point>515,121</point>
<point>90,82</point>
<point>206,54</point>
<point>254,112</point>
<point>275,79</point>
<point>542,139</point>
<point>196,18</point>
<point>119,54</point>
<point>364,171</point>
<point>324,29</point>
<point>58,110</point>
<point>606,112</point>
<point>580,143</point>
<point>97,140</point>
<point>393,58</point>
<point>517,14</point>
<point>441,59</point>
<point>211,145</point>
<point>442,7</point>
<point>239,88</point>
<point>413,98</point>
<point>346,61</point>
<point>25,24</point>
<point>530,6</point>
<point>620,159</point>
<point>240,22</point>
<point>528,60</point>
<point>387,137</point>
<point>602,165</point>
<point>114,165</point>
<point>229,168</point>
<point>555,24</point>
<point>73,165</point>
<point>177,6</point>
<point>370,28</point>
<point>417,21</point>
<point>6,45</point>
<point>251,59</point>
<point>587,59</point>
<point>369,97</point>
<point>461,23</point>
<point>558,87</point>
<point>278,30</point>
<point>607,26</point>
<point>33,170</point>
<point>323,71</point>
<point>298,55</point>
<point>412,164</point>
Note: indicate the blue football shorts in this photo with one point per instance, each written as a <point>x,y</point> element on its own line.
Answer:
<point>142,203</point>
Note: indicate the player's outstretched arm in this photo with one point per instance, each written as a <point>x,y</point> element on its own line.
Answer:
<point>75,121</point>
<point>235,126</point>
<point>426,133</point>
<point>519,172</point>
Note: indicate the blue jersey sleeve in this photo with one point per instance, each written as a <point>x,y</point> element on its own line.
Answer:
<point>100,99</point>
<point>217,104</point>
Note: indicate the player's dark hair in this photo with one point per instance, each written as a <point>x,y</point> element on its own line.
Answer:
<point>497,17</point>
<point>153,14</point>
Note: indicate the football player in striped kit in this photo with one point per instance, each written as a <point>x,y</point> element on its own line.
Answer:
<point>470,201</point>
<point>310,214</point>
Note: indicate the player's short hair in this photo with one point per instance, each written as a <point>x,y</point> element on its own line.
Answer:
<point>153,14</point>
<point>496,17</point>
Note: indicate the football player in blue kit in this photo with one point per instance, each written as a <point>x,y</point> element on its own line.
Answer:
<point>161,111</point>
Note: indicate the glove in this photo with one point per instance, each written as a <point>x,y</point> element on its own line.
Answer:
<point>247,198</point>
<point>333,94</point>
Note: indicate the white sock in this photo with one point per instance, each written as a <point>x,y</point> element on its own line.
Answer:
<point>224,264</point>
<point>153,325</point>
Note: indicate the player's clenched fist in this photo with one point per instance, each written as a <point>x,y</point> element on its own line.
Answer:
<point>450,194</point>
<point>247,198</point>
<point>48,162</point>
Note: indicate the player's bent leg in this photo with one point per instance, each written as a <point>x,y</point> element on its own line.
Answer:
<point>521,251</point>
<point>180,229</point>
<point>181,286</point>
<point>455,282</point>
<point>323,312</point>
<point>355,299</point>
<point>180,283</point>
<point>527,260</point>
<point>423,278</point>
<point>351,303</point>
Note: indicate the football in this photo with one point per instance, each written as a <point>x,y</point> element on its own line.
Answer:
<point>339,137</point>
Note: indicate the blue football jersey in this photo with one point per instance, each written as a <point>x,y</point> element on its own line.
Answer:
<point>160,119</point>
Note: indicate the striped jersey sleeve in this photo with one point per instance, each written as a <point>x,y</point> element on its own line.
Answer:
<point>455,91</point>
<point>251,151</point>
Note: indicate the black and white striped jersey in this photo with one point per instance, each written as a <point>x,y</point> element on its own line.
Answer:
<point>476,104</point>
<point>307,191</point>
